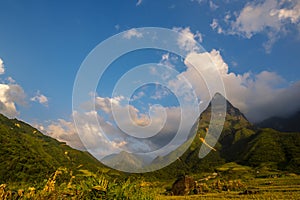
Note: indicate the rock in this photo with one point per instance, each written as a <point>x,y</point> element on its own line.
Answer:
<point>183,186</point>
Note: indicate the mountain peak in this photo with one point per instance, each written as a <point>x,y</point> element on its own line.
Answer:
<point>218,95</point>
<point>219,99</point>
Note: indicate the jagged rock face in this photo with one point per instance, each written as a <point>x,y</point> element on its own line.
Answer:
<point>183,186</point>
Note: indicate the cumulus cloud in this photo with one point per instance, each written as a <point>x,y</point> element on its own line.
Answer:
<point>187,40</point>
<point>10,96</point>
<point>258,96</point>
<point>132,33</point>
<point>2,69</point>
<point>40,98</point>
<point>269,17</point>
<point>103,138</point>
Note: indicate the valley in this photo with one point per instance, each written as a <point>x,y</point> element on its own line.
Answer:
<point>249,163</point>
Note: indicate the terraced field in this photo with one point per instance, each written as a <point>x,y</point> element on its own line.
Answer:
<point>266,188</point>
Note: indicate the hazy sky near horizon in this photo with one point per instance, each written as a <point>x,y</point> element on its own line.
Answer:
<point>256,44</point>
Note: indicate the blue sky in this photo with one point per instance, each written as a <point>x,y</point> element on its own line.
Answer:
<point>43,43</point>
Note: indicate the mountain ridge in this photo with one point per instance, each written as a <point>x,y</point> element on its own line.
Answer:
<point>286,124</point>
<point>28,155</point>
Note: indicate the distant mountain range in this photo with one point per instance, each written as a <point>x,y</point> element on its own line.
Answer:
<point>288,124</point>
<point>240,141</point>
<point>28,155</point>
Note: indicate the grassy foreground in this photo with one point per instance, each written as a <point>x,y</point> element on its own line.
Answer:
<point>65,184</point>
<point>267,188</point>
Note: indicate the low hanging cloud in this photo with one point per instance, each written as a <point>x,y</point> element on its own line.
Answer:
<point>272,18</point>
<point>258,96</point>
<point>110,137</point>
<point>63,131</point>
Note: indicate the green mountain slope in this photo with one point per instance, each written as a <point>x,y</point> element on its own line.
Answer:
<point>276,149</point>
<point>239,142</point>
<point>28,155</point>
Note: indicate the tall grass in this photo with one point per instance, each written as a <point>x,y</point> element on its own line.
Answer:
<point>63,184</point>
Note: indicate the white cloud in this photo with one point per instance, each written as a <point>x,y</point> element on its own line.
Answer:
<point>151,129</point>
<point>160,93</point>
<point>64,131</point>
<point>187,40</point>
<point>212,5</point>
<point>255,18</point>
<point>269,17</point>
<point>138,96</point>
<point>109,139</point>
<point>2,69</point>
<point>10,95</point>
<point>258,96</point>
<point>90,138</point>
<point>40,98</point>
<point>199,1</point>
<point>139,2</point>
<point>292,13</point>
<point>215,26</point>
<point>11,80</point>
<point>117,27</point>
<point>167,59</point>
<point>132,33</point>
<point>105,103</point>
<point>165,56</point>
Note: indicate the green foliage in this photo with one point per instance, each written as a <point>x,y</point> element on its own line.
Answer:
<point>282,150</point>
<point>26,155</point>
<point>62,184</point>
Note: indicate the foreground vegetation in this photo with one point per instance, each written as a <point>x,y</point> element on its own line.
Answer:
<point>83,184</point>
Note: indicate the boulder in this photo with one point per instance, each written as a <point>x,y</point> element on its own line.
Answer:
<point>183,185</point>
